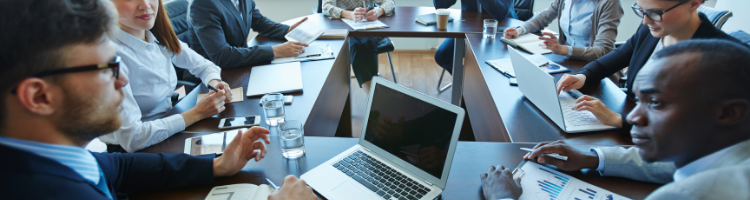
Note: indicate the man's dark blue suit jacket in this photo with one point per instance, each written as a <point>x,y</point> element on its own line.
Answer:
<point>25,175</point>
<point>498,9</point>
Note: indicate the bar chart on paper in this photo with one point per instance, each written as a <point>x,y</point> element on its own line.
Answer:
<point>542,183</point>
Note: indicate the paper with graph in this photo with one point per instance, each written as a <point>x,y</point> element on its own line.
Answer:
<point>542,183</point>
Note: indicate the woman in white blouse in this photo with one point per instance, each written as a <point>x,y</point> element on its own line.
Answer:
<point>149,47</point>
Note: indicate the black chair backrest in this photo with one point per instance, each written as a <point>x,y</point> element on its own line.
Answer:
<point>177,12</point>
<point>320,6</point>
<point>524,9</point>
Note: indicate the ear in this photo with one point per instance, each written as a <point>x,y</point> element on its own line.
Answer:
<point>734,111</point>
<point>694,4</point>
<point>36,96</point>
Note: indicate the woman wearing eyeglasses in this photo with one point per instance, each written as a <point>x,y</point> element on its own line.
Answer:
<point>588,28</point>
<point>665,22</point>
<point>149,49</point>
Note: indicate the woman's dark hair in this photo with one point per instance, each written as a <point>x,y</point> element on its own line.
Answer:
<point>163,31</point>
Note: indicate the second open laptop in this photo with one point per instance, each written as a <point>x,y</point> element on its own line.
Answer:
<point>405,149</point>
<point>540,88</point>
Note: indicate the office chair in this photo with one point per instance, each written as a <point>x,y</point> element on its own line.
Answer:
<point>524,9</point>
<point>716,16</point>
<point>177,12</point>
<point>385,45</point>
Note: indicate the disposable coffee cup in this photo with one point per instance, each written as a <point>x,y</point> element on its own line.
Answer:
<point>442,18</point>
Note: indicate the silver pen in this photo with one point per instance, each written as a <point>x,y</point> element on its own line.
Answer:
<point>553,155</point>
<point>272,185</point>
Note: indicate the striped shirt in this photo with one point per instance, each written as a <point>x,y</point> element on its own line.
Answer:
<point>77,158</point>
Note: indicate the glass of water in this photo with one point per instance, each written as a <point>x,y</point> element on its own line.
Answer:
<point>273,104</point>
<point>291,137</point>
<point>490,28</point>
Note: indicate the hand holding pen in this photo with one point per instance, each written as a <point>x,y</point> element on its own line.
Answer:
<point>577,158</point>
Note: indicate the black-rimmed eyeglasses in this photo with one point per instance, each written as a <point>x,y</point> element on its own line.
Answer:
<point>113,65</point>
<point>655,16</point>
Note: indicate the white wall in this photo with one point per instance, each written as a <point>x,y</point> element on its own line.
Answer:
<point>281,10</point>
<point>739,9</point>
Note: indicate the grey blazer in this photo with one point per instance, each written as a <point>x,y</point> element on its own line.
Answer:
<point>727,178</point>
<point>604,24</point>
<point>219,33</point>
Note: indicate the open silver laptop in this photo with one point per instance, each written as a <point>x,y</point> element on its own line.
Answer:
<point>539,87</point>
<point>405,149</point>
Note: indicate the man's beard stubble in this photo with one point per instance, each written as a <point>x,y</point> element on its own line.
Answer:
<point>82,119</point>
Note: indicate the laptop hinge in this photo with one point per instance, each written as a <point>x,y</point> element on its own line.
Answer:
<point>428,183</point>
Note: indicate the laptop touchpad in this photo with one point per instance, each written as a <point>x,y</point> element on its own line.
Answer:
<point>348,190</point>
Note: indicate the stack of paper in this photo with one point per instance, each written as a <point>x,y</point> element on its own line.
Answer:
<point>306,33</point>
<point>540,182</point>
<point>334,34</point>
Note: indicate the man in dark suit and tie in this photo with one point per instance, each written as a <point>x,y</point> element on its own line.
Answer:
<point>219,31</point>
<point>61,87</point>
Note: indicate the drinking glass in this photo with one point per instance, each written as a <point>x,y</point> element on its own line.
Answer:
<point>291,137</point>
<point>273,105</point>
<point>490,28</point>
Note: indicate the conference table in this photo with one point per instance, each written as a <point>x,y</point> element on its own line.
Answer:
<point>470,159</point>
<point>498,113</point>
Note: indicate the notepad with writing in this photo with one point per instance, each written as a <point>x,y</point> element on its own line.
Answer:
<point>529,42</point>
<point>504,66</point>
<point>430,19</point>
<point>360,25</point>
<point>236,95</point>
<point>243,191</point>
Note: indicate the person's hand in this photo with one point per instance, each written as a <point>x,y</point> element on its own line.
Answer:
<point>222,86</point>
<point>602,113</point>
<point>498,183</point>
<point>296,24</point>
<point>569,82</point>
<point>373,14</point>
<point>210,105</point>
<point>288,49</point>
<point>577,159</point>
<point>552,44</point>
<point>242,148</point>
<point>357,14</point>
<point>293,189</point>
<point>511,32</point>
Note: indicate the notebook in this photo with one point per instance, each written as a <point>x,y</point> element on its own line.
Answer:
<point>236,95</point>
<point>275,78</point>
<point>430,19</point>
<point>529,42</point>
<point>306,33</point>
<point>242,191</point>
<point>360,25</point>
<point>334,34</point>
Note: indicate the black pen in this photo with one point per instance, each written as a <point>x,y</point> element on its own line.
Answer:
<point>212,88</point>
<point>311,55</point>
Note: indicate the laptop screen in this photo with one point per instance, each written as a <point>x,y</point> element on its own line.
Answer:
<point>413,130</point>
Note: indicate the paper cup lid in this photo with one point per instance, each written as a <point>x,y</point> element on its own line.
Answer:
<point>443,12</point>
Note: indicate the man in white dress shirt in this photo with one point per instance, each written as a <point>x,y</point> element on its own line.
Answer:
<point>692,116</point>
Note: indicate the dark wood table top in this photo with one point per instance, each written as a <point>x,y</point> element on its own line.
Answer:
<point>403,24</point>
<point>471,159</point>
<point>314,77</point>
<point>523,121</point>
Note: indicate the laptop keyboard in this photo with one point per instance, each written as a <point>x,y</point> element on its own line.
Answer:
<point>575,117</point>
<point>380,178</point>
